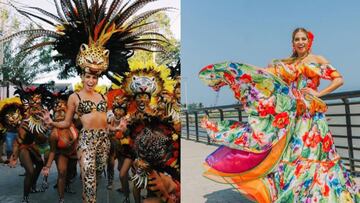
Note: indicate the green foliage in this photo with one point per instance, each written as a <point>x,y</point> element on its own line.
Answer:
<point>23,67</point>
<point>20,66</point>
<point>172,54</point>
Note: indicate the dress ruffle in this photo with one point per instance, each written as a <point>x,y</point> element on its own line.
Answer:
<point>285,152</point>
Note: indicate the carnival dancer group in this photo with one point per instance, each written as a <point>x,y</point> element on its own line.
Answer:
<point>135,121</point>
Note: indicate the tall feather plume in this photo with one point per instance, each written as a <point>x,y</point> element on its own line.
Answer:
<point>152,47</point>
<point>58,11</point>
<point>29,41</point>
<point>69,10</point>
<point>36,16</point>
<point>144,16</point>
<point>66,11</point>
<point>131,10</point>
<point>48,14</point>
<point>101,11</point>
<point>140,31</point>
<point>37,46</point>
<point>32,32</point>
<point>117,28</point>
<point>115,11</point>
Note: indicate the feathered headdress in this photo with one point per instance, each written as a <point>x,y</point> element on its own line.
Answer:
<point>156,147</point>
<point>94,37</point>
<point>11,111</point>
<point>147,78</point>
<point>36,96</point>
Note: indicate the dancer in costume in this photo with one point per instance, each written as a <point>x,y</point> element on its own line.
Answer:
<point>157,159</point>
<point>285,153</point>
<point>32,141</point>
<point>148,113</point>
<point>97,39</point>
<point>11,114</point>
<point>94,144</point>
<point>63,144</point>
<point>122,142</point>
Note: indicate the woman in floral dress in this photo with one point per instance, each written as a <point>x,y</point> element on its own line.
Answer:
<point>285,152</point>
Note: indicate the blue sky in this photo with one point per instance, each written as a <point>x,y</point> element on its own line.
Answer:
<point>255,32</point>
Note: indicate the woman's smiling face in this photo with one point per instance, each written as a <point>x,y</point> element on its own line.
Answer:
<point>301,43</point>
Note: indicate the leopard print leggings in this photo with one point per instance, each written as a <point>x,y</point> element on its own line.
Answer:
<point>93,148</point>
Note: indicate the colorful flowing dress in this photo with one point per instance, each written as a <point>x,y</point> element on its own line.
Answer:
<point>285,151</point>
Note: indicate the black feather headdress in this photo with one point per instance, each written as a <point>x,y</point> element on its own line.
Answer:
<point>93,36</point>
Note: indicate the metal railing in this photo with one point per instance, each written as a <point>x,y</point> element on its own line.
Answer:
<point>343,117</point>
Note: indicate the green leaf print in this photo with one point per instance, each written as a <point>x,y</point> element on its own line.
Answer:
<point>305,153</point>
<point>288,197</point>
<point>323,127</point>
<point>261,124</point>
<point>283,103</point>
<point>258,78</point>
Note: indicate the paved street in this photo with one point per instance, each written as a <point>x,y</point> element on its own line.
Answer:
<point>11,188</point>
<point>194,187</point>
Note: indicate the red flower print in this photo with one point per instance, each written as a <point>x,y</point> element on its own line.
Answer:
<point>327,143</point>
<point>298,170</point>
<point>281,120</point>
<point>230,78</point>
<point>327,166</point>
<point>281,182</point>
<point>311,139</point>
<point>236,89</point>
<point>246,78</point>
<point>328,72</point>
<point>326,190</point>
<point>235,125</point>
<point>258,137</point>
<point>265,108</point>
<point>240,141</point>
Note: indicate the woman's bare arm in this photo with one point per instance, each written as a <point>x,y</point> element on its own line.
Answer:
<point>334,84</point>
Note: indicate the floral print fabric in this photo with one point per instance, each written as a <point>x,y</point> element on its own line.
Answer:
<point>308,168</point>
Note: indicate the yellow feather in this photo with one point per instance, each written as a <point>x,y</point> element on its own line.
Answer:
<point>12,100</point>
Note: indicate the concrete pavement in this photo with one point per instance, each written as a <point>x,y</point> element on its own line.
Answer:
<point>194,187</point>
<point>11,188</point>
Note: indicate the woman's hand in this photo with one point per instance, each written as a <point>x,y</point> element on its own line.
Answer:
<point>45,171</point>
<point>204,122</point>
<point>45,116</point>
<point>13,161</point>
<point>308,90</point>
<point>122,125</point>
<point>162,185</point>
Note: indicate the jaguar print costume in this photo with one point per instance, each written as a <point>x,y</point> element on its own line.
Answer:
<point>94,147</point>
<point>93,58</point>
